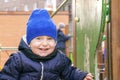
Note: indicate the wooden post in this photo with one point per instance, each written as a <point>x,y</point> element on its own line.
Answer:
<point>115,25</point>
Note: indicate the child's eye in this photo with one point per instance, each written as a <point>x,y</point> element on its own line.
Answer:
<point>38,38</point>
<point>49,38</point>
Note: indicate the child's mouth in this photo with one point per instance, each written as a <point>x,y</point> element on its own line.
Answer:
<point>44,49</point>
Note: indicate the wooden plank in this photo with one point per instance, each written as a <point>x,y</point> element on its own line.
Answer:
<point>115,24</point>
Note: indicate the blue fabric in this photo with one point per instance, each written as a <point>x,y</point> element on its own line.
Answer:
<point>40,24</point>
<point>20,67</point>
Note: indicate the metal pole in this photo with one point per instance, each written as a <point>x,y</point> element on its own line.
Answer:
<point>8,48</point>
<point>109,52</point>
<point>62,4</point>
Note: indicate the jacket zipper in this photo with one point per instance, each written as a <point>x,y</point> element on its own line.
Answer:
<point>41,78</point>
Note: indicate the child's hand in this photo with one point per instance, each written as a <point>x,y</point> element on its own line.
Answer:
<point>89,77</point>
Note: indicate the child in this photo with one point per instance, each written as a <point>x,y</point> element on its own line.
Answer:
<point>37,58</point>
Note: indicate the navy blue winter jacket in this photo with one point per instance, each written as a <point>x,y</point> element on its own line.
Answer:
<point>24,65</point>
<point>61,40</point>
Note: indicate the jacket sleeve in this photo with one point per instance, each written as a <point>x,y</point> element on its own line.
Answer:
<point>67,37</point>
<point>72,73</point>
<point>62,36</point>
<point>11,68</point>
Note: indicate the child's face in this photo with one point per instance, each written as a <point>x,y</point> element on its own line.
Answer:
<point>42,45</point>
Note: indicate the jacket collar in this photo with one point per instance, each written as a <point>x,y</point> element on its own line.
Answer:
<point>24,48</point>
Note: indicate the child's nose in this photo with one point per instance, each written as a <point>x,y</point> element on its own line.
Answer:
<point>44,42</point>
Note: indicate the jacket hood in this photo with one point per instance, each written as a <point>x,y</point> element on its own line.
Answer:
<point>25,49</point>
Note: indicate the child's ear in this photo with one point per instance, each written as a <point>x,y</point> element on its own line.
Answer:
<point>29,45</point>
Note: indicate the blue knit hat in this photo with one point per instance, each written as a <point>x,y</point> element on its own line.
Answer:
<point>40,24</point>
